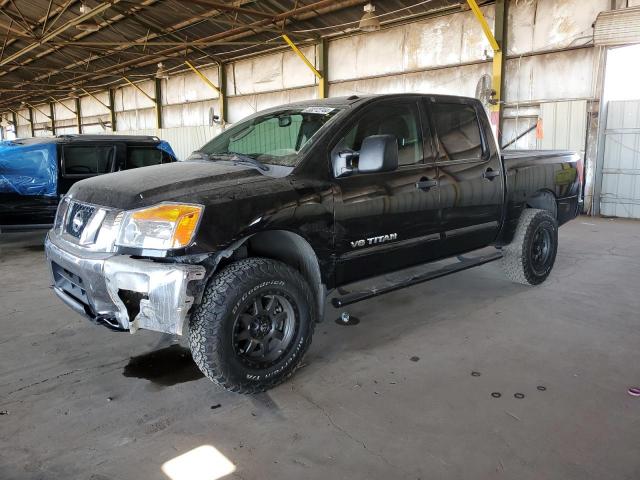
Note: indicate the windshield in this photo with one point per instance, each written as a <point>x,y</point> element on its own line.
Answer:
<point>275,138</point>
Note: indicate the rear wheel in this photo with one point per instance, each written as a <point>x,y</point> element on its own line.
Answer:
<point>253,325</point>
<point>529,258</point>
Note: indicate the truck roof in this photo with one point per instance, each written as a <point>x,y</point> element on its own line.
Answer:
<point>346,101</point>
<point>86,138</point>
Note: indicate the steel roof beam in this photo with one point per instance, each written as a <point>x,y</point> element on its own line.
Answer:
<point>63,28</point>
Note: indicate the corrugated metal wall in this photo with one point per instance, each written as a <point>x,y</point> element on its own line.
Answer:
<point>550,59</point>
<point>620,191</point>
<point>564,126</point>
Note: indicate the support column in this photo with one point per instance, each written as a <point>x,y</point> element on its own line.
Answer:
<point>53,118</point>
<point>499,63</point>
<point>222,94</point>
<point>323,67</point>
<point>78,115</point>
<point>33,130</point>
<point>158,102</point>
<point>112,109</point>
<point>14,117</point>
<point>496,42</point>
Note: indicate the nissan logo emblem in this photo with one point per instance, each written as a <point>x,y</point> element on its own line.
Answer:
<point>77,223</point>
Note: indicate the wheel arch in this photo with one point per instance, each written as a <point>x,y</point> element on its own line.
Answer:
<point>544,200</point>
<point>285,246</point>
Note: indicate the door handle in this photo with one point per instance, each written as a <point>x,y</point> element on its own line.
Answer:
<point>490,173</point>
<point>425,184</point>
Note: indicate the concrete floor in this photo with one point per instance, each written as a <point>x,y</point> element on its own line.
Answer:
<point>391,397</point>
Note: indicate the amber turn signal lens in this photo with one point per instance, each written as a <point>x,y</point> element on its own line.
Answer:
<point>184,217</point>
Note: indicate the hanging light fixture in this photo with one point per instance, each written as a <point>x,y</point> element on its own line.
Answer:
<point>369,22</point>
<point>161,73</point>
<point>87,27</point>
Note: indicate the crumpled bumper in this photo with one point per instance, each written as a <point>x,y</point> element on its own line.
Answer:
<point>121,292</point>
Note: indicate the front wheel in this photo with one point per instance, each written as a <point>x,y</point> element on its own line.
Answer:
<point>530,256</point>
<point>253,326</point>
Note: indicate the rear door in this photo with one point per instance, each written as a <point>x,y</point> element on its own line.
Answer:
<point>387,221</point>
<point>469,175</point>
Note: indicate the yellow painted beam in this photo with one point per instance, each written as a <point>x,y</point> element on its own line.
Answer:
<point>485,26</point>
<point>134,86</point>
<point>203,77</point>
<point>496,83</point>
<point>302,57</point>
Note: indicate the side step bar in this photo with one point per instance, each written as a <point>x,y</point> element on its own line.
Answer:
<point>462,264</point>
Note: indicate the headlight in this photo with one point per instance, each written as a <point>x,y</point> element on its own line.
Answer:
<point>161,227</point>
<point>58,224</point>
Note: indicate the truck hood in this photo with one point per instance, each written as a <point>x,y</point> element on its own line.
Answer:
<point>182,181</point>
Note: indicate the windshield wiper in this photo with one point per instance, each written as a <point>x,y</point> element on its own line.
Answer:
<point>240,158</point>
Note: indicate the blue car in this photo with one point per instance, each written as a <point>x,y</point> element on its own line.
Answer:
<point>36,172</point>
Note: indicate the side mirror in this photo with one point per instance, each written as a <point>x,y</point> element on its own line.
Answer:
<point>379,153</point>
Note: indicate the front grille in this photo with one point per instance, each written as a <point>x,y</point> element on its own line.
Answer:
<point>70,283</point>
<point>78,216</point>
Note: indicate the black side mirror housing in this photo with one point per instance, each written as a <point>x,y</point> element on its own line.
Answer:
<point>378,153</point>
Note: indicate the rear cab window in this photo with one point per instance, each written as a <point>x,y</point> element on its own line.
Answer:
<point>458,130</point>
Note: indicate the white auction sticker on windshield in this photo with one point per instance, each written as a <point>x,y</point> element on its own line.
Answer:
<point>320,110</point>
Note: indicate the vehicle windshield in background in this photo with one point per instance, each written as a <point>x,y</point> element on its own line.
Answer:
<point>275,138</point>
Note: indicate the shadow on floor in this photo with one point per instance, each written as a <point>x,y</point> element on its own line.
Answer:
<point>165,367</point>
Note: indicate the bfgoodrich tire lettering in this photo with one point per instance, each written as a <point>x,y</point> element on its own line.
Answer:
<point>253,326</point>
<point>529,258</point>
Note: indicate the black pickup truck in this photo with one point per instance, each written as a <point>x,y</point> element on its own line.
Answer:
<point>240,246</point>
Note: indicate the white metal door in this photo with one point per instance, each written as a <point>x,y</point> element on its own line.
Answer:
<point>620,191</point>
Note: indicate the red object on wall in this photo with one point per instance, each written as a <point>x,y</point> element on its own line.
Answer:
<point>539,130</point>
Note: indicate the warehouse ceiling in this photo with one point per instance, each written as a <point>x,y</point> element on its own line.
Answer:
<point>51,48</point>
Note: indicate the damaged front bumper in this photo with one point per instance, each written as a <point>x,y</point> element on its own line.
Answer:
<point>121,292</point>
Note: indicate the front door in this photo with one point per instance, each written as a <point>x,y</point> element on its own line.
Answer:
<point>469,175</point>
<point>387,221</point>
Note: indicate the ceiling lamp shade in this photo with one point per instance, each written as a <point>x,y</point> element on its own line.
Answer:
<point>88,27</point>
<point>369,22</point>
<point>161,73</point>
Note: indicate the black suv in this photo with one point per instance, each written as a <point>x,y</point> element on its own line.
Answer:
<point>36,172</point>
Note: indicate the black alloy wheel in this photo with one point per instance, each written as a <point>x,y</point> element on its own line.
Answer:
<point>264,331</point>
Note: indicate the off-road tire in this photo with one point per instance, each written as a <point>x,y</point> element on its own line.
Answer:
<point>518,260</point>
<point>212,323</point>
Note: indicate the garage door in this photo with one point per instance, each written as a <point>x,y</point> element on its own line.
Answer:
<point>617,27</point>
<point>620,192</point>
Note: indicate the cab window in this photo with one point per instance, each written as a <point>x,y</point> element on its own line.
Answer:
<point>144,156</point>
<point>87,160</point>
<point>400,120</point>
<point>458,131</point>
